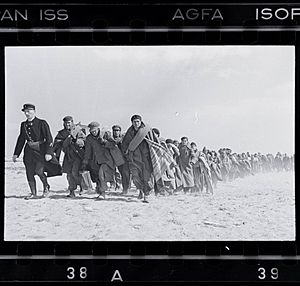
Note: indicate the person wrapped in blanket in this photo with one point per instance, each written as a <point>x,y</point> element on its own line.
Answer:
<point>148,159</point>
<point>70,140</point>
<point>167,184</point>
<point>201,169</point>
<point>184,162</point>
<point>114,142</point>
<point>214,163</point>
<point>177,183</point>
<point>99,159</point>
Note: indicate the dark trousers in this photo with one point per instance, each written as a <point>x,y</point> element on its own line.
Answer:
<point>142,177</point>
<point>106,174</point>
<point>34,165</point>
<point>73,177</point>
<point>125,175</point>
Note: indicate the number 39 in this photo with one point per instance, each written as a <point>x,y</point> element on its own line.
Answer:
<point>262,273</point>
<point>71,273</point>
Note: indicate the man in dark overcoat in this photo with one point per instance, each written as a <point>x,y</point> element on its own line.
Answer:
<point>99,158</point>
<point>136,150</point>
<point>113,142</point>
<point>38,152</point>
<point>186,168</point>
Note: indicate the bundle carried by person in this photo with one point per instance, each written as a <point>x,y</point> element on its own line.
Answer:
<point>161,159</point>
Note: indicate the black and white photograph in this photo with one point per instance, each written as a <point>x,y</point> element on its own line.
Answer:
<point>149,143</point>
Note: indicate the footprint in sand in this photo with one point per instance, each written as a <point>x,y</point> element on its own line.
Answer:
<point>42,219</point>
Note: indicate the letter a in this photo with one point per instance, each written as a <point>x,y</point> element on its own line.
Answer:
<point>178,15</point>
<point>116,276</point>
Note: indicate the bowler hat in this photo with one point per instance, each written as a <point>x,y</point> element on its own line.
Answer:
<point>28,106</point>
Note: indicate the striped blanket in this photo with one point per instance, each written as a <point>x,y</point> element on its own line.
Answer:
<point>161,159</point>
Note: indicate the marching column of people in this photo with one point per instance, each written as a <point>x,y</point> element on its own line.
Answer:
<point>140,157</point>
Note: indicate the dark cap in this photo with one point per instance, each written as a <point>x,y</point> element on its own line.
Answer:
<point>156,131</point>
<point>28,106</point>
<point>116,127</point>
<point>169,141</point>
<point>136,117</point>
<point>68,118</point>
<point>93,125</point>
<point>184,137</point>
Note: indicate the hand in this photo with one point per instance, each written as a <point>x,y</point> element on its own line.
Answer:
<point>14,158</point>
<point>80,143</point>
<point>48,157</point>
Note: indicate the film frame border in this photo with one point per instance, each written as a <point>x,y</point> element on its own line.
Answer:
<point>136,37</point>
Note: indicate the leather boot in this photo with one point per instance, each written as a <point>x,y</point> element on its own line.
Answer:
<point>125,192</point>
<point>32,186</point>
<point>101,194</point>
<point>46,190</point>
<point>140,196</point>
<point>145,198</point>
<point>46,186</point>
<point>71,194</point>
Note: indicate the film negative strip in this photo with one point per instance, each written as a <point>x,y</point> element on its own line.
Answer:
<point>149,142</point>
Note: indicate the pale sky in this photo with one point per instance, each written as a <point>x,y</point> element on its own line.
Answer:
<point>241,97</point>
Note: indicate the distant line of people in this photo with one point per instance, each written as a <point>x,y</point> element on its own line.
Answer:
<point>139,157</point>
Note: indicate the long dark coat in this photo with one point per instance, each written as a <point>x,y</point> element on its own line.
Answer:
<point>39,132</point>
<point>186,168</point>
<point>97,154</point>
<point>139,161</point>
<point>70,146</point>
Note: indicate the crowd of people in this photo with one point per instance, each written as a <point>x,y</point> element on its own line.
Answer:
<point>140,157</point>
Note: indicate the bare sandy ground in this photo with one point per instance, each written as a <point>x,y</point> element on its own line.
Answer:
<point>260,207</point>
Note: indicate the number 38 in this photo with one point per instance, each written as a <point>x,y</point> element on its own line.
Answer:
<point>71,273</point>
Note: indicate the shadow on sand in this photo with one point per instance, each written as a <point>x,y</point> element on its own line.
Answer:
<point>24,197</point>
<point>65,197</point>
<point>121,200</point>
<point>63,194</point>
<point>16,197</point>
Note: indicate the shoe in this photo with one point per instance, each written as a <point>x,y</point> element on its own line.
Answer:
<point>100,198</point>
<point>140,196</point>
<point>71,195</point>
<point>33,190</point>
<point>170,192</point>
<point>31,197</point>
<point>46,191</point>
<point>124,192</point>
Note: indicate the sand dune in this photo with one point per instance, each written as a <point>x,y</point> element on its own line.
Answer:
<point>260,207</point>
